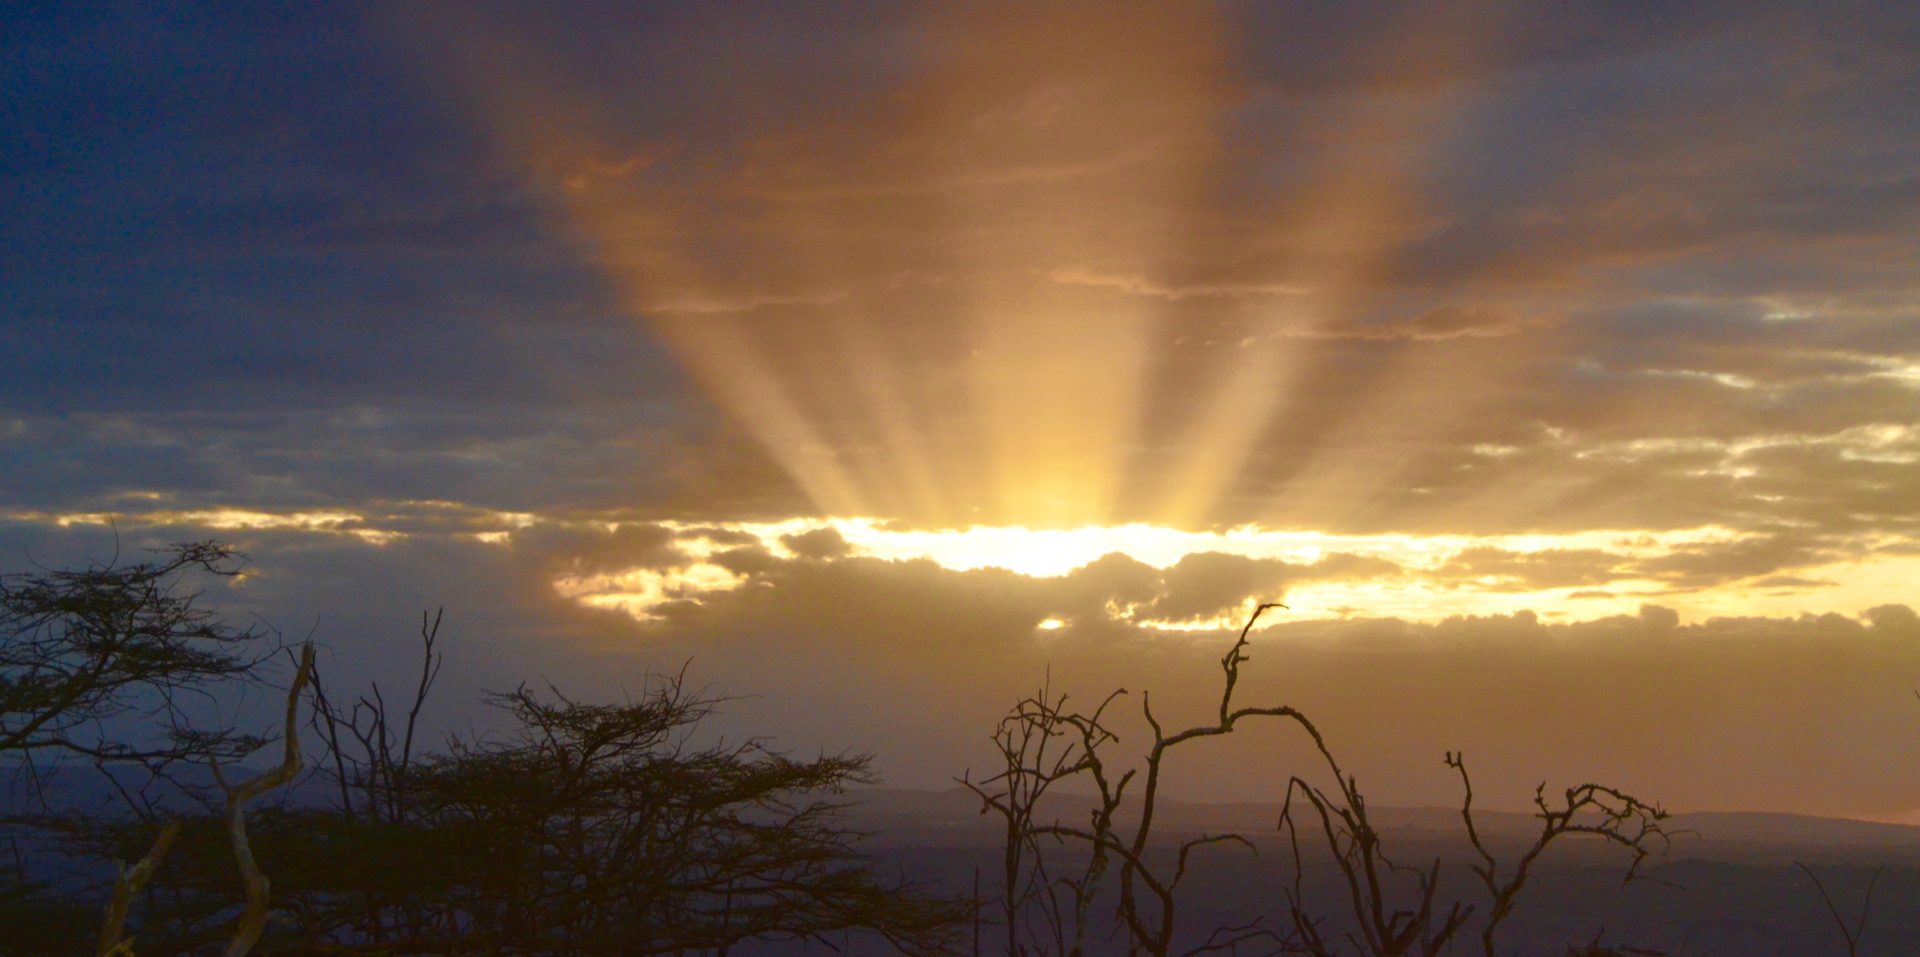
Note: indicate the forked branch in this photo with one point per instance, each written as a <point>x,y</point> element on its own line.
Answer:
<point>1850,933</point>
<point>253,920</point>
<point>1592,809</point>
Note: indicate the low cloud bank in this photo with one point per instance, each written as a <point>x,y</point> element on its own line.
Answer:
<point>913,661</point>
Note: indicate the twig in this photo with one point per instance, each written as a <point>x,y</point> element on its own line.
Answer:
<point>1852,934</point>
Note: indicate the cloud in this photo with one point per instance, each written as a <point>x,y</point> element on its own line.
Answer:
<point>1693,714</point>
<point>915,661</point>
<point>750,304</point>
<point>1450,321</point>
<point>1140,286</point>
<point>1211,586</point>
<point>821,543</point>
<point>1529,571</point>
<point>1712,563</point>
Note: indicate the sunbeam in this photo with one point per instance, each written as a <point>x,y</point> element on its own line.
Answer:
<point>1070,269</point>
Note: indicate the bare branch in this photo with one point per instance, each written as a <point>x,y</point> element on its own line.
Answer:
<point>1592,809</point>
<point>1851,933</point>
<point>253,920</point>
<point>126,886</point>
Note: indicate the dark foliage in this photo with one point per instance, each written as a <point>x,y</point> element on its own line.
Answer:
<point>587,829</point>
<point>93,660</point>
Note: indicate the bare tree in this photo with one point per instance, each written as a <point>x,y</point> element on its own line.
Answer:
<point>1591,809</point>
<point>1387,925</point>
<point>1397,909</point>
<point>1390,926</point>
<point>1041,743</point>
<point>370,758</point>
<point>1148,892</point>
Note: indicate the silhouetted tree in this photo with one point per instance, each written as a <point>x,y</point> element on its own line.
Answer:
<point>584,829</point>
<point>1041,743</point>
<point>1397,909</point>
<point>1594,810</point>
<point>1148,891</point>
<point>251,919</point>
<point>98,665</point>
<point>94,660</point>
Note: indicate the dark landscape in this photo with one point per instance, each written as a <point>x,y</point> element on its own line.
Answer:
<point>1731,886</point>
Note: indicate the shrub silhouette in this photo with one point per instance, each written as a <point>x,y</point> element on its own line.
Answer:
<point>585,829</point>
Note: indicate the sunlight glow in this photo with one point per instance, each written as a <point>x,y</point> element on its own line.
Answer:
<point>1321,574</point>
<point>973,316</point>
<point>1426,581</point>
<point>225,519</point>
<point>641,592</point>
<point>1011,379</point>
<point>1053,552</point>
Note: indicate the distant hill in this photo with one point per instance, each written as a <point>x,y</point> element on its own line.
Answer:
<point>1731,887</point>
<point>951,818</point>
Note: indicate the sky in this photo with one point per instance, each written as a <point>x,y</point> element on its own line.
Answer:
<point>1558,366</point>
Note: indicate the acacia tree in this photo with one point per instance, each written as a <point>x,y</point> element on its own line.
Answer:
<point>582,829</point>
<point>604,829</point>
<point>250,920</point>
<point>93,659</point>
<point>99,664</point>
